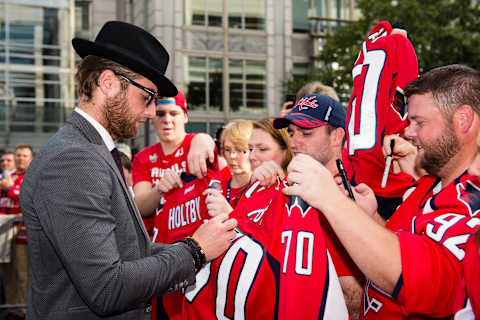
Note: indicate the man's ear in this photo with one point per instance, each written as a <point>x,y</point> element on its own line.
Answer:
<point>108,83</point>
<point>336,137</point>
<point>463,118</point>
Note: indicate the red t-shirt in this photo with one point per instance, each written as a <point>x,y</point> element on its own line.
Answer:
<point>377,107</point>
<point>10,204</point>
<point>150,165</point>
<point>432,225</point>
<point>10,198</point>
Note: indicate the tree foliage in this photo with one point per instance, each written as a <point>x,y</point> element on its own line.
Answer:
<point>442,32</point>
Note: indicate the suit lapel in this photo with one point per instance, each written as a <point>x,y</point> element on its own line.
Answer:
<point>92,135</point>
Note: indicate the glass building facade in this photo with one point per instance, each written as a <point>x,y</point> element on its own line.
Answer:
<point>230,57</point>
<point>36,64</point>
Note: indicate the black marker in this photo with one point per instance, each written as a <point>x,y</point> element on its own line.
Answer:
<point>343,174</point>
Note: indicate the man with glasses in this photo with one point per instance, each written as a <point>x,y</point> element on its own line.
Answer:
<point>90,254</point>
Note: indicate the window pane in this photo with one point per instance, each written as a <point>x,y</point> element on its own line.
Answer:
<point>299,16</point>
<point>38,42</point>
<point>256,84</point>
<point>196,82</point>
<point>195,12</point>
<point>236,84</point>
<point>300,71</point>
<point>214,127</point>
<point>215,79</point>
<point>255,14</point>
<point>215,12</point>
<point>320,10</point>
<point>235,10</point>
<point>196,127</point>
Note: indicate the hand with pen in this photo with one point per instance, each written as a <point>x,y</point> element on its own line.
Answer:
<point>403,155</point>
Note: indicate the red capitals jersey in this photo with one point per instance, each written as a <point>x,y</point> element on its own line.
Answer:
<point>150,165</point>
<point>433,225</point>
<point>468,296</point>
<point>308,283</point>
<point>181,212</point>
<point>242,282</point>
<point>10,198</point>
<point>377,107</point>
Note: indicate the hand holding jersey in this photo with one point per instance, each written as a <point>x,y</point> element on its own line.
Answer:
<point>214,236</point>
<point>201,154</point>
<point>170,180</point>
<point>267,173</point>
<point>216,203</point>
<point>310,180</point>
<point>377,107</point>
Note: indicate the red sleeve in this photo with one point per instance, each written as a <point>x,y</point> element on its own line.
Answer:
<point>430,276</point>
<point>140,168</point>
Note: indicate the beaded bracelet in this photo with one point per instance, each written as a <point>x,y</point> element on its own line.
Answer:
<point>196,251</point>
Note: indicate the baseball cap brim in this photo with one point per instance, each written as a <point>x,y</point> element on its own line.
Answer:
<point>300,119</point>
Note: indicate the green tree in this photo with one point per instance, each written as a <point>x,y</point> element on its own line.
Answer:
<point>442,32</point>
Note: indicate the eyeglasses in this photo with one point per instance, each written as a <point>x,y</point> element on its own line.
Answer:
<point>235,151</point>
<point>152,94</point>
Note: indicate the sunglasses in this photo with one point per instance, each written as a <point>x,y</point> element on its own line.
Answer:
<point>152,94</point>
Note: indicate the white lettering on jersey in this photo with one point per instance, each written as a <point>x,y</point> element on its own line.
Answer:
<point>189,189</point>
<point>179,153</point>
<point>160,172</point>
<point>377,35</point>
<point>184,214</point>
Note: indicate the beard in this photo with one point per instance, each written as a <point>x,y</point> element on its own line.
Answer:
<point>438,153</point>
<point>120,122</point>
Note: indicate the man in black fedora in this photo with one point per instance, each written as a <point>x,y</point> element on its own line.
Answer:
<point>90,255</point>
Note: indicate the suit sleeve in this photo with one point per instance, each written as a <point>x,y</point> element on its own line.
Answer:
<point>79,211</point>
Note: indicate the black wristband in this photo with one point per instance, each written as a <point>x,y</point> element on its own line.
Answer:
<point>196,251</point>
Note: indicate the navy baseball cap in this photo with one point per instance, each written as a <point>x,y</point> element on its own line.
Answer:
<point>314,110</point>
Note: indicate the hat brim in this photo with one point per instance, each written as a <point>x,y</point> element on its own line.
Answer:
<point>85,47</point>
<point>299,119</point>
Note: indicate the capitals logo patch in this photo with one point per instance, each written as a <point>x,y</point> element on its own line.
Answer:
<point>469,194</point>
<point>307,102</point>
<point>153,158</point>
<point>399,104</point>
<point>179,153</point>
<point>297,202</point>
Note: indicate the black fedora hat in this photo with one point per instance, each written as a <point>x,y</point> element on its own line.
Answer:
<point>132,47</point>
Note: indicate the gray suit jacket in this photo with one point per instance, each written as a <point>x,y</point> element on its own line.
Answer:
<point>89,253</point>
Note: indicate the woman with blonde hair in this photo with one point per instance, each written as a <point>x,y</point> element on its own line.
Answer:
<point>269,155</point>
<point>234,142</point>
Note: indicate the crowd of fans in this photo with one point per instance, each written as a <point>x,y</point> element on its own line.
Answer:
<point>303,249</point>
